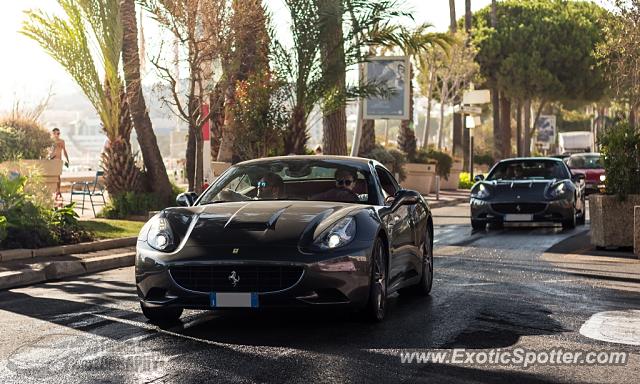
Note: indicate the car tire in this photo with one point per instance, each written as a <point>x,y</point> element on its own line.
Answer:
<point>478,225</point>
<point>571,222</point>
<point>161,315</point>
<point>497,225</point>
<point>377,304</point>
<point>423,287</point>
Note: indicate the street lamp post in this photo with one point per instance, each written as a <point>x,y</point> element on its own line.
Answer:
<point>470,124</point>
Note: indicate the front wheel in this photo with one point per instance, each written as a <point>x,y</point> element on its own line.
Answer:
<point>377,304</point>
<point>423,287</point>
<point>570,223</point>
<point>161,315</point>
<point>478,225</point>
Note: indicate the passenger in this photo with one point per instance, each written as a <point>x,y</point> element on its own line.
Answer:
<point>518,172</point>
<point>270,187</point>
<point>343,191</point>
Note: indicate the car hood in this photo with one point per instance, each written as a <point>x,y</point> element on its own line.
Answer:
<point>256,223</point>
<point>591,175</point>
<point>509,190</point>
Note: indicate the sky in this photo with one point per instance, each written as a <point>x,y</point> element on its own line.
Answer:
<point>27,73</point>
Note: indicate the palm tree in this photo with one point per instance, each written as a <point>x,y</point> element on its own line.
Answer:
<point>69,41</point>
<point>414,44</point>
<point>156,170</point>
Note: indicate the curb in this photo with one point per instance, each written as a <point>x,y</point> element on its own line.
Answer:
<point>448,203</point>
<point>56,270</point>
<point>62,250</point>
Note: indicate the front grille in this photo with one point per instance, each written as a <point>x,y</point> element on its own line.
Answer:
<point>519,207</point>
<point>217,278</point>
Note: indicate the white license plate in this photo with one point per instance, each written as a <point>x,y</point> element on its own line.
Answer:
<point>518,217</point>
<point>233,300</point>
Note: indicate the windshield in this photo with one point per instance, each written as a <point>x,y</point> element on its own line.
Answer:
<point>292,180</point>
<point>529,170</point>
<point>585,162</point>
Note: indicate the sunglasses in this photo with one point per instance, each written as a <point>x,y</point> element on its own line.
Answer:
<point>346,182</point>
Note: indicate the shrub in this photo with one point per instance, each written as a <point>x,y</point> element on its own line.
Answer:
<point>393,159</point>
<point>23,138</point>
<point>484,158</point>
<point>444,162</point>
<point>130,204</point>
<point>465,181</point>
<point>26,221</point>
<point>620,147</point>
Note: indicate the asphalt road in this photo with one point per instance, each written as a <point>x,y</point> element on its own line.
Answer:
<point>492,291</point>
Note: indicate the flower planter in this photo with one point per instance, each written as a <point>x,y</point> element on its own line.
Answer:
<point>49,170</point>
<point>612,221</point>
<point>454,176</point>
<point>636,231</point>
<point>420,177</point>
<point>217,167</point>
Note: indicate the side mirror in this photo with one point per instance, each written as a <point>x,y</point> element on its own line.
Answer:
<point>478,178</point>
<point>186,199</point>
<point>404,197</point>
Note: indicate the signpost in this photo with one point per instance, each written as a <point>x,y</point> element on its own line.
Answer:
<point>546,131</point>
<point>392,73</point>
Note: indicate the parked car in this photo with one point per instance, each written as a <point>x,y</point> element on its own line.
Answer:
<point>589,164</point>
<point>294,231</point>
<point>528,190</point>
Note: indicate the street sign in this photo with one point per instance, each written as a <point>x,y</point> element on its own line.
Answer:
<point>467,109</point>
<point>546,129</point>
<point>477,96</point>
<point>392,72</point>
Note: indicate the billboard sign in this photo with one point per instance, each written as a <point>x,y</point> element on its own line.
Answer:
<point>393,73</point>
<point>546,129</point>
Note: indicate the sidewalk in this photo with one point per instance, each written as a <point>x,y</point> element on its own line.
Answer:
<point>610,269</point>
<point>39,269</point>
<point>447,198</point>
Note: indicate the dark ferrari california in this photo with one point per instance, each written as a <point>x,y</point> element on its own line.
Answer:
<point>531,189</point>
<point>294,231</point>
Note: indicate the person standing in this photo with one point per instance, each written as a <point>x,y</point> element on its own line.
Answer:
<point>57,150</point>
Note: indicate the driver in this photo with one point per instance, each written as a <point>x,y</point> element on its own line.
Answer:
<point>518,172</point>
<point>269,187</point>
<point>343,190</point>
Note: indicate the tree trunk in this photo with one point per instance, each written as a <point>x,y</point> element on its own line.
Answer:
<point>225,153</point>
<point>494,13</point>
<point>216,104</point>
<point>296,138</point>
<point>368,139</point>
<point>467,16</point>
<point>199,161</point>
<point>190,155</point>
<point>497,135</point>
<point>459,126</point>
<point>505,120</point>
<point>441,126</point>
<point>427,120</point>
<point>527,128</point>
<point>334,120</point>
<point>158,180</point>
<point>407,136</point>
<point>452,16</point>
<point>519,128</point>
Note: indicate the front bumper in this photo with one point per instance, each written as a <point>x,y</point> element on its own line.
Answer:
<point>503,211</point>
<point>321,282</point>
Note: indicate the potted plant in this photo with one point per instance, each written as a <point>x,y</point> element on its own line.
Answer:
<point>421,173</point>
<point>612,221</point>
<point>393,159</point>
<point>23,149</point>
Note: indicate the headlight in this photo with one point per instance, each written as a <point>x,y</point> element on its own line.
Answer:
<point>160,235</point>
<point>340,234</point>
<point>482,192</point>
<point>557,191</point>
<point>603,178</point>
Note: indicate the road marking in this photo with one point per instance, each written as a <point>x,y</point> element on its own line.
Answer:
<point>557,281</point>
<point>622,327</point>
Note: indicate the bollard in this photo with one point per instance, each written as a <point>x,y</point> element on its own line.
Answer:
<point>636,231</point>
<point>437,187</point>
